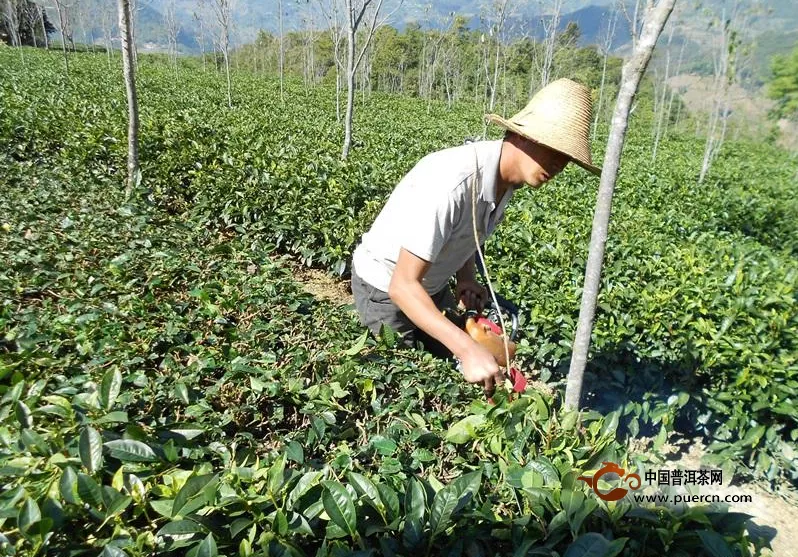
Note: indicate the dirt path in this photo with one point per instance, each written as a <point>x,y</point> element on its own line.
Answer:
<point>769,510</point>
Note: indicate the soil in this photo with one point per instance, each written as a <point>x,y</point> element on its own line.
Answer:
<point>768,509</point>
<point>323,286</point>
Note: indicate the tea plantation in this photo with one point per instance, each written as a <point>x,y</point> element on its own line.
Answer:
<point>168,387</point>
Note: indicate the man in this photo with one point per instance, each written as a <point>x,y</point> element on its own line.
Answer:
<point>424,234</point>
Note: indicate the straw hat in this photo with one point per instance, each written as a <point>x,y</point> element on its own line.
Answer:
<point>559,117</point>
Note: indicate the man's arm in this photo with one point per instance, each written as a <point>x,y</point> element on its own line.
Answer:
<point>468,290</point>
<point>408,294</point>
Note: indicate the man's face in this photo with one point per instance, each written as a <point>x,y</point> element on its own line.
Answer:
<point>540,164</point>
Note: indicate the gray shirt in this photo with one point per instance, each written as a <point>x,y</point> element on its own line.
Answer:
<point>429,214</point>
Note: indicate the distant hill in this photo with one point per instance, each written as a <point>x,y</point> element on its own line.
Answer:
<point>773,26</point>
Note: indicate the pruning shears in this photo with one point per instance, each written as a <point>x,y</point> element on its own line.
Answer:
<point>485,330</point>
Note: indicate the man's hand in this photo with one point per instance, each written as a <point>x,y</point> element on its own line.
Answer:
<point>479,365</point>
<point>472,294</point>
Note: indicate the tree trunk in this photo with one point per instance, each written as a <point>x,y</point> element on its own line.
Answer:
<point>62,24</point>
<point>350,79</point>
<point>551,36</point>
<point>44,28</point>
<point>633,70</point>
<point>129,69</point>
<point>282,54</point>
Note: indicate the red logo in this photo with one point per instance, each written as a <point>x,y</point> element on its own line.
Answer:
<point>615,493</point>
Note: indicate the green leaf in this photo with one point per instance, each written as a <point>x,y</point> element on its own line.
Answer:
<point>130,450</point>
<point>91,449</point>
<point>115,417</point>
<point>305,483</point>
<point>715,544</point>
<point>180,528</point>
<point>23,415</point>
<point>465,487</point>
<point>193,486</point>
<point>181,393</point>
<point>68,486</point>
<point>339,506</point>
<point>111,385</point>
<point>443,506</point>
<point>383,445</point>
<point>114,501</point>
<point>358,346</point>
<point>280,523</point>
<point>294,452</point>
<point>415,500</point>
<point>89,491</point>
<point>34,442</point>
<point>276,472</point>
<point>207,547</point>
<point>465,430</point>
<point>366,488</point>
<point>390,499</point>
<point>28,515</point>
<point>239,525</point>
<point>753,436</point>
<point>590,545</point>
<point>111,551</point>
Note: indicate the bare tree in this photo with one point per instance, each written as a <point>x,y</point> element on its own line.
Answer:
<point>354,14</point>
<point>10,14</point>
<point>64,28</point>
<point>172,30</point>
<point>309,48</point>
<point>550,42</point>
<point>724,59</point>
<point>84,25</point>
<point>135,8</point>
<point>496,32</point>
<point>129,70</point>
<point>654,19</point>
<point>222,9</point>
<point>201,25</point>
<point>333,16</point>
<point>31,15</point>
<point>282,47</point>
<point>659,97</point>
<point>42,15</point>
<point>606,44</point>
<point>107,23</point>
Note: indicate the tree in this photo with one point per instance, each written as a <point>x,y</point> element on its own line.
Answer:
<point>107,27</point>
<point>66,30</point>
<point>200,22</point>
<point>570,36</point>
<point>726,47</point>
<point>23,22</point>
<point>783,87</point>
<point>608,36</point>
<point>497,33</point>
<point>222,9</point>
<point>336,36</point>
<point>172,30</point>
<point>282,46</point>
<point>354,12</point>
<point>11,24</point>
<point>654,19</point>
<point>129,70</point>
<point>550,27</point>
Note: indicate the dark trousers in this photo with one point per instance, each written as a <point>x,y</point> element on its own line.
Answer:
<point>376,308</point>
